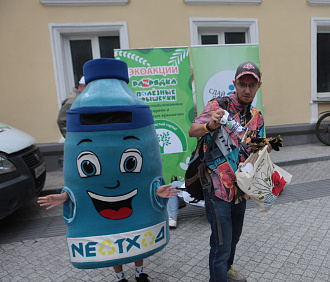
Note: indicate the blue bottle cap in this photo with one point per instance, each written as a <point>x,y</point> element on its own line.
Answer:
<point>105,68</point>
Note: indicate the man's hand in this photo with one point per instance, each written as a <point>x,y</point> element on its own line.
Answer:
<point>272,143</point>
<point>269,146</point>
<point>214,123</point>
<point>198,130</point>
<point>276,143</point>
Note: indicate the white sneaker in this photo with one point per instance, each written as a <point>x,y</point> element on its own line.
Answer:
<point>172,222</point>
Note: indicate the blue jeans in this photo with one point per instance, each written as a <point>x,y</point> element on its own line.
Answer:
<point>173,206</point>
<point>221,257</point>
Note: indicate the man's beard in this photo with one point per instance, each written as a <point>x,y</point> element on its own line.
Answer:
<point>242,102</point>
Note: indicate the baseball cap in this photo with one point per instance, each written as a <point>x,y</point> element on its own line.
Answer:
<point>248,67</point>
<point>82,80</point>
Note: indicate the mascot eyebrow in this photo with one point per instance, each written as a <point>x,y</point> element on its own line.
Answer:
<point>125,138</point>
<point>84,140</point>
<point>130,137</point>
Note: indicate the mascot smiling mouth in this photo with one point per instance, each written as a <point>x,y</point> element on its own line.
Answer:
<point>115,207</point>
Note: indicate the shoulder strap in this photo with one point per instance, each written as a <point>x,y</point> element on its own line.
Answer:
<point>226,102</point>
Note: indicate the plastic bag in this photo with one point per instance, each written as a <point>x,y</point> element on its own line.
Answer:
<point>261,180</point>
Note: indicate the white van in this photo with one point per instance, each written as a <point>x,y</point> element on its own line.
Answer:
<point>22,169</point>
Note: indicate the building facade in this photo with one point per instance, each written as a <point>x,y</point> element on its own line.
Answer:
<point>45,43</point>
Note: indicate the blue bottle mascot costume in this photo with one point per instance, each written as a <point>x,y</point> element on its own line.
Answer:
<point>112,169</point>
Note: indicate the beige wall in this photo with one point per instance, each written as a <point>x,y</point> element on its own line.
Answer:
<point>28,91</point>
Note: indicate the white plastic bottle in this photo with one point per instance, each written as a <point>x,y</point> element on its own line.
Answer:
<point>233,126</point>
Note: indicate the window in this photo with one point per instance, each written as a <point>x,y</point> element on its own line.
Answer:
<point>323,63</point>
<point>223,31</point>
<point>75,44</point>
<point>223,38</point>
<point>320,70</point>
<point>83,50</point>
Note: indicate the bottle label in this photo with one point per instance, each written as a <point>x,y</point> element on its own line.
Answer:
<point>233,126</point>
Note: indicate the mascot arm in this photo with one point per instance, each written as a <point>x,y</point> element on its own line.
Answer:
<point>69,206</point>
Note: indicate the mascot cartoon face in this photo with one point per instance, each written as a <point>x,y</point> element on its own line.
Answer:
<point>112,169</point>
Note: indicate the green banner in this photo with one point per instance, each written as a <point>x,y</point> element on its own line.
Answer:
<point>162,78</point>
<point>214,69</point>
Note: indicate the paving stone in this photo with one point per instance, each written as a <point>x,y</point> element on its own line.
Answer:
<point>290,243</point>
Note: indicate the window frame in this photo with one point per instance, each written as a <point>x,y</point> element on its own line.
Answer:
<point>61,34</point>
<point>317,24</point>
<point>223,24</point>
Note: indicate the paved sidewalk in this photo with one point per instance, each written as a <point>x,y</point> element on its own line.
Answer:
<point>290,243</point>
<point>292,155</point>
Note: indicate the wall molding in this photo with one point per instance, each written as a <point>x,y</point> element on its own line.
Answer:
<point>222,2</point>
<point>83,2</point>
<point>318,2</point>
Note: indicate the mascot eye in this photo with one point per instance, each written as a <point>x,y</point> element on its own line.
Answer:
<point>88,164</point>
<point>131,161</point>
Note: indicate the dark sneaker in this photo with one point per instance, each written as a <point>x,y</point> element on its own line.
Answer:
<point>182,203</point>
<point>123,280</point>
<point>234,276</point>
<point>142,278</point>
